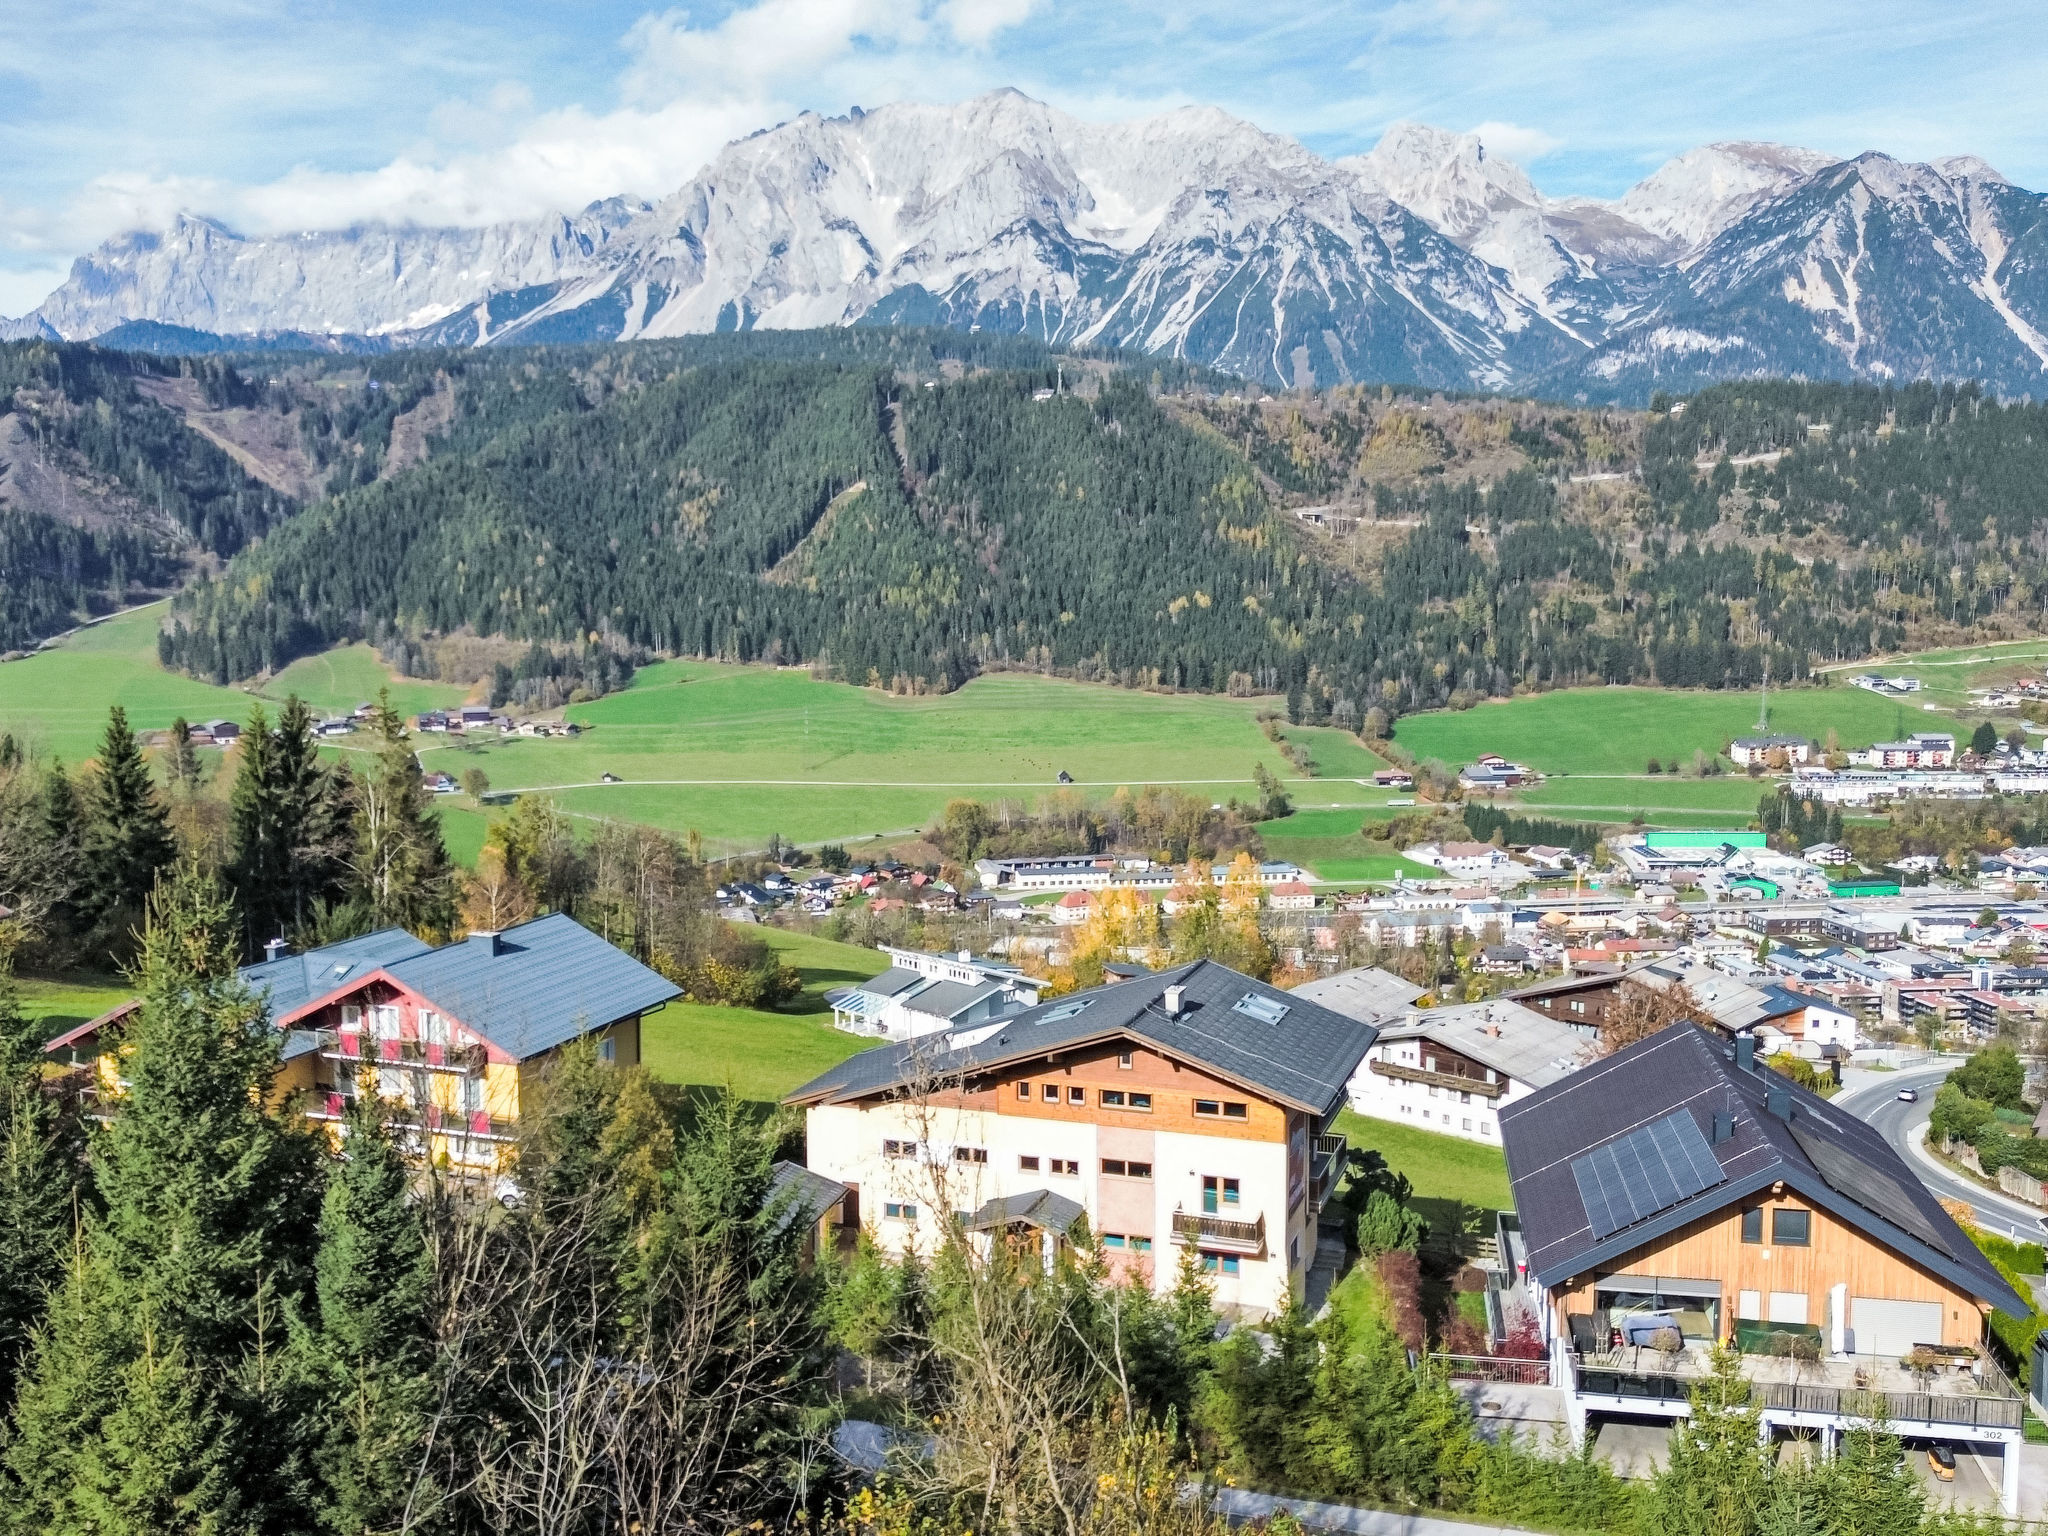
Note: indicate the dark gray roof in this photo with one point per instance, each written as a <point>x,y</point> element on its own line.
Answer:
<point>533,987</point>
<point>948,999</point>
<point>1040,1208</point>
<point>292,981</point>
<point>1304,1059</point>
<point>1827,1155</point>
<point>1367,993</point>
<point>801,1194</point>
<point>897,978</point>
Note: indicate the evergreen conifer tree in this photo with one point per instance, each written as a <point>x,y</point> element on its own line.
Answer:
<point>61,819</point>
<point>150,1396</point>
<point>126,836</point>
<point>368,1361</point>
<point>39,1162</point>
<point>1718,1478</point>
<point>288,827</point>
<point>402,868</point>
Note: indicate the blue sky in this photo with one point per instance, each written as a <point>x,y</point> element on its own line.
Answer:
<point>283,114</point>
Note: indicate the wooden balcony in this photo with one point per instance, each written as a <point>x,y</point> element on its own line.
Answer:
<point>1220,1234</point>
<point>1326,1166</point>
<point>1451,1080</point>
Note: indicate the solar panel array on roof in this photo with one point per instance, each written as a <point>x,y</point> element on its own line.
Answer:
<point>1870,1188</point>
<point>1649,1170</point>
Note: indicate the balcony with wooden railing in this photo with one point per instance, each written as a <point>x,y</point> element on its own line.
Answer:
<point>1408,1074</point>
<point>1220,1234</point>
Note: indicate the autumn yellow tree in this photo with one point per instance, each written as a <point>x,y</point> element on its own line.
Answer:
<point>494,898</point>
<point>1122,925</point>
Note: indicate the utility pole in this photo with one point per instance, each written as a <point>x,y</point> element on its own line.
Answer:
<point>1763,703</point>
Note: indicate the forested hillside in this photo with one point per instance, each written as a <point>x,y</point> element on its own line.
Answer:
<point>908,508</point>
<point>104,494</point>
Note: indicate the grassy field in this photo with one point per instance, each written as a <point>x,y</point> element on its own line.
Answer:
<point>741,752</point>
<point>336,682</point>
<point>1947,675</point>
<point>1616,730</point>
<point>61,1004</point>
<point>761,1056</point>
<point>1329,843</point>
<point>1441,1168</point>
<point>1335,753</point>
<point>58,699</point>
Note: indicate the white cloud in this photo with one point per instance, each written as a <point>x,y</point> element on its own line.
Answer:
<point>1511,141</point>
<point>976,22</point>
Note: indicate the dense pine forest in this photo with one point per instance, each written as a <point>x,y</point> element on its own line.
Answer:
<point>908,508</point>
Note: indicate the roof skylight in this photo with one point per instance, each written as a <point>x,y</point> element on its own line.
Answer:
<point>1267,1010</point>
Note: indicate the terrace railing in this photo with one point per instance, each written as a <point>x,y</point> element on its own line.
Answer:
<point>369,1051</point>
<point>1219,1233</point>
<point>1451,1080</point>
<point>1501,1368</point>
<point>1992,1404</point>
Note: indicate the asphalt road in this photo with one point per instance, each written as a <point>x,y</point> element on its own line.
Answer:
<point>1877,1101</point>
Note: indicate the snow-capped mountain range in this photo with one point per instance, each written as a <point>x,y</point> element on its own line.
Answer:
<point>1194,233</point>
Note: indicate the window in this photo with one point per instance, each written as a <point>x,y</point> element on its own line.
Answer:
<point>434,1028</point>
<point>1027,1165</point>
<point>1753,1225</point>
<point>1790,1228</point>
<point>970,1154</point>
<point>384,1021</point>
<point>472,1094</point>
<point>1116,1167</point>
<point>1113,1165</point>
<point>1141,1101</point>
<point>352,1017</point>
<point>1219,1264</point>
<point>1465,1098</point>
<point>1267,1010</point>
<point>1052,1093</point>
<point>1486,1127</point>
<point>1208,1107</point>
<point>1063,1165</point>
<point>1066,1010</point>
<point>894,1148</point>
<point>1112,1098</point>
<point>897,1210</point>
<point>1023,1090</point>
<point>1123,1060</point>
<point>1219,1194</point>
<point>1112,1240</point>
<point>1077,1095</point>
<point>1141,1245</point>
<point>607,1049</point>
<point>1468,1122</point>
<point>1221,1108</point>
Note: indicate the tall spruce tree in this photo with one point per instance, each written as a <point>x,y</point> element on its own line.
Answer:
<point>167,1334</point>
<point>62,828</point>
<point>368,1361</point>
<point>39,1167</point>
<point>402,868</point>
<point>126,838</point>
<point>288,827</point>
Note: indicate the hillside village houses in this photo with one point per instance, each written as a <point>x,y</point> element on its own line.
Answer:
<point>1452,1069</point>
<point>1679,1195</point>
<point>1770,751</point>
<point>1188,1109</point>
<point>925,994</point>
<point>452,1035</point>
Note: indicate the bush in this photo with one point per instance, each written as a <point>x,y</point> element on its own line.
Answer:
<point>1994,1075</point>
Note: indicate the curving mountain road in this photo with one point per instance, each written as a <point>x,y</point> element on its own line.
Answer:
<point>1876,1100</point>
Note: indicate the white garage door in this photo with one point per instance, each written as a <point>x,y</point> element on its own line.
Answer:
<point>1893,1327</point>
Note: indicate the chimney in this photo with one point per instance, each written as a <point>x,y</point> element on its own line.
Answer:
<point>490,939</point>
<point>1170,1000</point>
<point>1724,1127</point>
<point>1745,1053</point>
<point>276,949</point>
<point>1778,1100</point>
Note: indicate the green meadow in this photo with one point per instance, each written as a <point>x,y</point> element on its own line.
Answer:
<point>761,1056</point>
<point>738,753</point>
<point>1617,730</point>
<point>1329,843</point>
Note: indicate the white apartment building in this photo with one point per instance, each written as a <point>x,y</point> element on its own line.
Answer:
<point>1184,1110</point>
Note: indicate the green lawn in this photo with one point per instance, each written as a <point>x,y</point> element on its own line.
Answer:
<point>741,752</point>
<point>1615,730</point>
<point>62,1004</point>
<point>1329,843</point>
<point>1442,1168</point>
<point>1947,675</point>
<point>1335,753</point>
<point>339,680</point>
<point>58,699</point>
<point>762,1056</point>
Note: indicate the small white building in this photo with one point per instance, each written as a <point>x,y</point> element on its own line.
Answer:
<point>924,994</point>
<point>1475,861</point>
<point>1451,1070</point>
